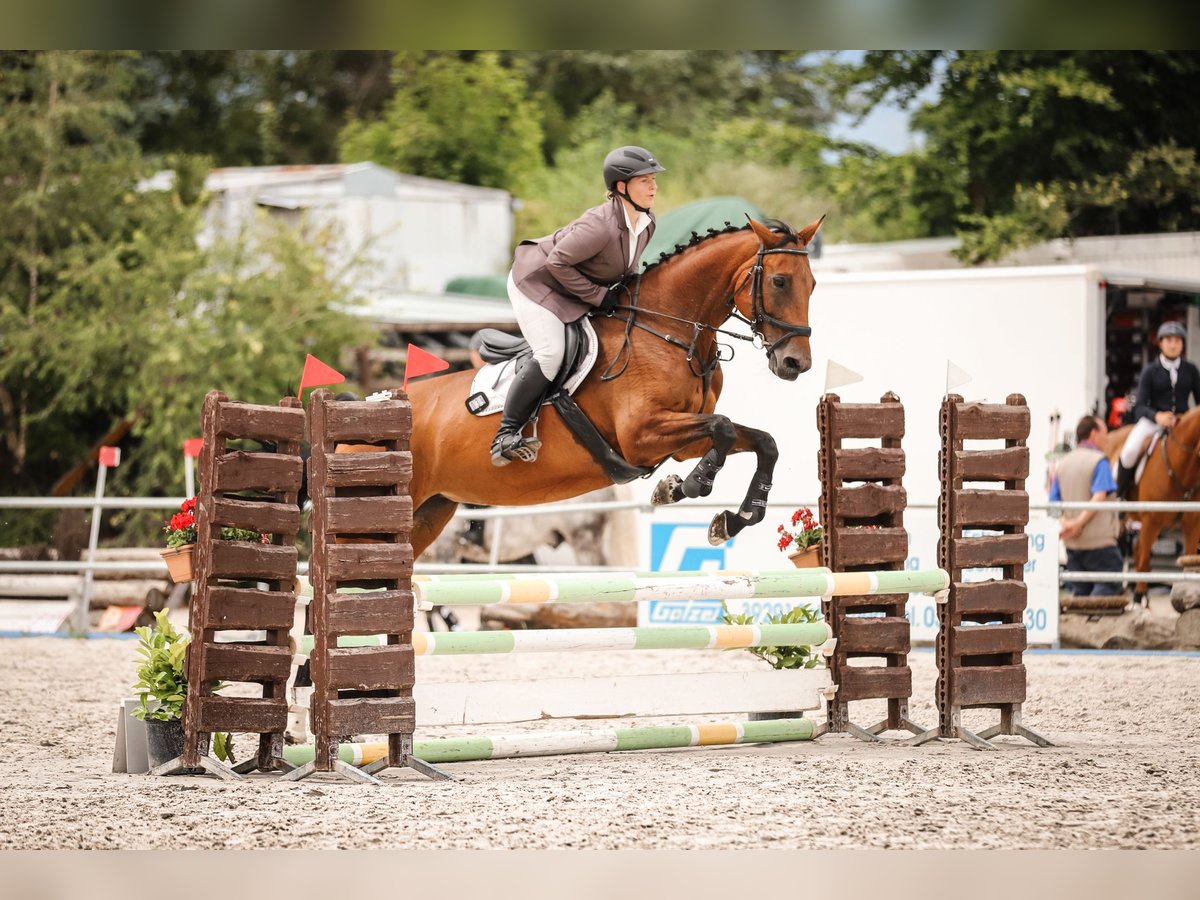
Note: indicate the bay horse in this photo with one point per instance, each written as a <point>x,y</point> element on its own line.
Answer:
<point>1172,473</point>
<point>661,405</point>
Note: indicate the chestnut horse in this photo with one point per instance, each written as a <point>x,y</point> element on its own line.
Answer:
<point>659,405</point>
<point>1172,473</point>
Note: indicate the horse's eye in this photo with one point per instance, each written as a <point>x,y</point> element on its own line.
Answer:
<point>779,280</point>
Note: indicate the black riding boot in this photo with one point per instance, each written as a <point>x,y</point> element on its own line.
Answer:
<point>1124,480</point>
<point>522,401</point>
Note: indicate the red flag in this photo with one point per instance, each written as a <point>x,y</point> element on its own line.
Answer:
<point>192,446</point>
<point>317,373</point>
<point>421,362</point>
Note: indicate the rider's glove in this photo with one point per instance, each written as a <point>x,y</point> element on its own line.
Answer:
<point>608,304</point>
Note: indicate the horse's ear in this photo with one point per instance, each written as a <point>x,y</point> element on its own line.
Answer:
<point>766,236</point>
<point>809,232</point>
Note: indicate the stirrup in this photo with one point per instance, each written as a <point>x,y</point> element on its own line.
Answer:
<point>507,447</point>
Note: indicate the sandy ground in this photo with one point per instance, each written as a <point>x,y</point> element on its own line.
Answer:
<point>1125,772</point>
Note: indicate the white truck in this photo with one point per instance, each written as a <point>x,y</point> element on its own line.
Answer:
<point>1070,338</point>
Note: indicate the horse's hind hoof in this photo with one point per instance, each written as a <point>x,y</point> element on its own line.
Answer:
<point>718,531</point>
<point>669,490</point>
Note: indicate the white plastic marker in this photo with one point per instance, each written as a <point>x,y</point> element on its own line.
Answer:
<point>837,375</point>
<point>955,376</point>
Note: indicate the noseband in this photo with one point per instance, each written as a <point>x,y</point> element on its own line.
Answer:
<point>758,312</point>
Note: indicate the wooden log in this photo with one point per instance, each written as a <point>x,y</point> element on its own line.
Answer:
<point>987,685</point>
<point>870,500</point>
<point>244,560</point>
<point>875,635</point>
<point>246,608</point>
<point>871,546</point>
<point>241,714</point>
<point>867,420</point>
<point>369,515</point>
<point>368,422</point>
<point>349,562</point>
<point>995,596</point>
<point>1009,464</point>
<point>240,470</point>
<point>991,551</point>
<point>976,640</point>
<point>372,612</point>
<point>986,509</point>
<point>389,469</point>
<point>372,715</point>
<point>245,662</point>
<point>869,463</point>
<point>277,424</point>
<point>263,517</point>
<point>371,668</point>
<point>873,682</point>
<point>992,421</point>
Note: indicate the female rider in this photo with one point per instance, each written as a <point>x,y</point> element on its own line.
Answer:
<point>560,278</point>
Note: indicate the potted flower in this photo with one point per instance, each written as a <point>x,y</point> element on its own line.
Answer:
<point>802,540</point>
<point>180,530</point>
<point>161,688</point>
<point>798,657</point>
<point>181,540</point>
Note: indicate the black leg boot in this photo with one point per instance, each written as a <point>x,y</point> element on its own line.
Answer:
<point>522,401</point>
<point>1124,480</point>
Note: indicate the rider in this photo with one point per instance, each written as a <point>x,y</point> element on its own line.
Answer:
<point>560,278</point>
<point>1162,395</point>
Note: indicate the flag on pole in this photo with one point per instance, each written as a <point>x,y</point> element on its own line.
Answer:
<point>837,375</point>
<point>955,376</point>
<point>317,373</point>
<point>421,362</point>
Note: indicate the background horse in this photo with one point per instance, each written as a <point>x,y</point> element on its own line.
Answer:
<point>1172,473</point>
<point>662,403</point>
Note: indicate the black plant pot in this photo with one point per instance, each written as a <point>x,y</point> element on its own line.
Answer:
<point>164,740</point>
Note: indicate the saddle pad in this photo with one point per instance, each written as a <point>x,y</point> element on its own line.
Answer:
<point>494,379</point>
<point>1141,466</point>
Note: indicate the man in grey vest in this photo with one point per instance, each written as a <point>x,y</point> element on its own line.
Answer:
<point>1090,536</point>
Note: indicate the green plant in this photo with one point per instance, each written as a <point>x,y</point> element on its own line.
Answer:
<point>802,657</point>
<point>181,528</point>
<point>807,532</point>
<point>162,677</point>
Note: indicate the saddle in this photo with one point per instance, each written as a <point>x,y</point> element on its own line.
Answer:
<point>503,351</point>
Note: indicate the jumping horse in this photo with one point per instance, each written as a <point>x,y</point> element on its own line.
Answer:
<point>655,399</point>
<point>1172,473</point>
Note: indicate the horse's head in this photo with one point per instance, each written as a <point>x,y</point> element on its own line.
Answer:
<point>780,283</point>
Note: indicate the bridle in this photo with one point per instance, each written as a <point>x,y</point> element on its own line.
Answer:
<point>757,319</point>
<point>758,311</point>
<point>1192,452</point>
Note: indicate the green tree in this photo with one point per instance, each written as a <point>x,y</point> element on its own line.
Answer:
<point>468,120</point>
<point>1022,146</point>
<point>109,309</point>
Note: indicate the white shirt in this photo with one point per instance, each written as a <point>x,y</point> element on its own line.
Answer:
<point>1172,366</point>
<point>643,222</point>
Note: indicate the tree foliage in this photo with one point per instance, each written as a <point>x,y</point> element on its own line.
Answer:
<point>1022,146</point>
<point>109,308</point>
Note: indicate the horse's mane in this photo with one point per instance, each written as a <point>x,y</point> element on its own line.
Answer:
<point>775,225</point>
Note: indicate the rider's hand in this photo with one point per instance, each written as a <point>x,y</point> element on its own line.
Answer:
<point>1165,419</point>
<point>608,304</point>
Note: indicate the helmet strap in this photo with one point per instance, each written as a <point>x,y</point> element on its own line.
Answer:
<point>626,196</point>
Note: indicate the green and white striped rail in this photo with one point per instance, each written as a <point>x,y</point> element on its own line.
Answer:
<point>686,637</point>
<point>437,590</point>
<point>604,740</point>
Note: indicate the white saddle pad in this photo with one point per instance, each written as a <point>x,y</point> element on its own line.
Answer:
<point>492,382</point>
<point>1141,467</point>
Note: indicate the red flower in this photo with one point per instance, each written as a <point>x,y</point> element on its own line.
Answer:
<point>188,505</point>
<point>182,520</point>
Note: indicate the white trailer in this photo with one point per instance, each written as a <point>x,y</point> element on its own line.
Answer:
<point>1046,332</point>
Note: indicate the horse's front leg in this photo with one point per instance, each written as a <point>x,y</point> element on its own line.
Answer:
<point>715,437</point>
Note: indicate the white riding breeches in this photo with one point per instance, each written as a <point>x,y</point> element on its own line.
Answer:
<point>1132,448</point>
<point>545,332</point>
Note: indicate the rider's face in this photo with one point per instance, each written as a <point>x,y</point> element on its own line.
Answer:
<point>642,190</point>
<point>1171,346</point>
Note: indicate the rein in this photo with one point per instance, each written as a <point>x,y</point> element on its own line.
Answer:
<point>758,313</point>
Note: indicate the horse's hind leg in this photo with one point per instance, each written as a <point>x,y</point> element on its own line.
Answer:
<point>429,519</point>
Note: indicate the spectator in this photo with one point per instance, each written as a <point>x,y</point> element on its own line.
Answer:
<point>1090,536</point>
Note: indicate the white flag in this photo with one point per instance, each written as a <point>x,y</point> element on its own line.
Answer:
<point>837,375</point>
<point>955,376</point>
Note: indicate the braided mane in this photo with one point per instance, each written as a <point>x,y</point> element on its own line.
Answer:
<point>775,225</point>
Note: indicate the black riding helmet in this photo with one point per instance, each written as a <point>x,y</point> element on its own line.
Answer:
<point>625,163</point>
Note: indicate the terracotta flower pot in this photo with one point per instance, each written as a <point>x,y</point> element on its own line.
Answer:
<point>179,562</point>
<point>808,558</point>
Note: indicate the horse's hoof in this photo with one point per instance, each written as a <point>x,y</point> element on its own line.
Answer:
<point>669,490</point>
<point>718,531</point>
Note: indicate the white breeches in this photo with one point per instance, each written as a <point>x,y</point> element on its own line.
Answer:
<point>546,333</point>
<point>1133,444</point>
